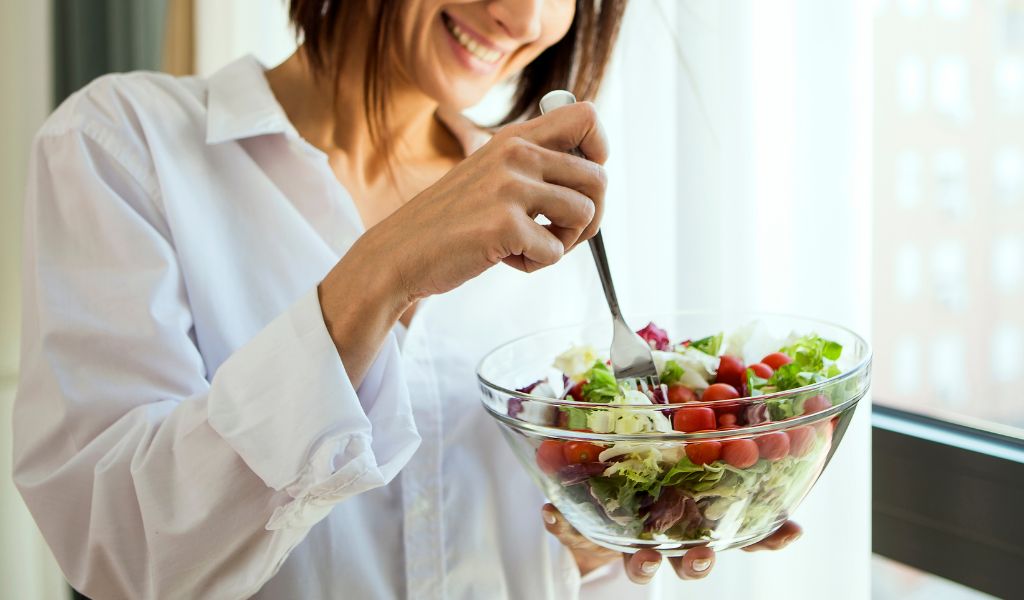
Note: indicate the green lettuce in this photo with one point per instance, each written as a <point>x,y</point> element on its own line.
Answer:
<point>709,345</point>
<point>601,385</point>
<point>671,372</point>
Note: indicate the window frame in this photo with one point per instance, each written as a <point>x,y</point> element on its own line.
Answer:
<point>947,499</point>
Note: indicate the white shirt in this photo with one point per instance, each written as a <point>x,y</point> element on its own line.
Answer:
<point>184,427</point>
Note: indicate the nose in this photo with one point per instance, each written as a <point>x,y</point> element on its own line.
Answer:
<point>521,19</point>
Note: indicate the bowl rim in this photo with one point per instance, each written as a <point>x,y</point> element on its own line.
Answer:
<point>669,437</point>
<point>860,367</point>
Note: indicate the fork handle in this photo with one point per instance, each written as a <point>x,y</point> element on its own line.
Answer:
<point>551,101</point>
<point>605,274</point>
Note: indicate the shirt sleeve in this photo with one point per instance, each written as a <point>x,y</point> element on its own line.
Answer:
<point>148,478</point>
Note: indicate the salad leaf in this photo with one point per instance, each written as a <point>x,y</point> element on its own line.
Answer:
<point>576,417</point>
<point>655,336</point>
<point>641,469</point>
<point>672,372</point>
<point>601,385</point>
<point>697,477</point>
<point>755,383</point>
<point>575,361</point>
<point>709,345</point>
<point>813,361</point>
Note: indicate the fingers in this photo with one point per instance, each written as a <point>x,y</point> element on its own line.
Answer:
<point>530,246</point>
<point>557,526</point>
<point>695,564</point>
<point>569,211</point>
<point>783,536</point>
<point>568,127</point>
<point>642,565</point>
<point>583,176</point>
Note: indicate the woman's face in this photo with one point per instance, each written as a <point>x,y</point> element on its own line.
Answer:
<point>457,50</point>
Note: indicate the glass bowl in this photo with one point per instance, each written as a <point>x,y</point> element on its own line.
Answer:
<point>766,463</point>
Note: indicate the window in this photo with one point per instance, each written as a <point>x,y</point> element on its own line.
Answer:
<point>948,307</point>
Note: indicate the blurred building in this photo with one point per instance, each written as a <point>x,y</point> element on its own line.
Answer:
<point>949,207</point>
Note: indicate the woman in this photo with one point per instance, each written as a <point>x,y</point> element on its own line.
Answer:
<point>253,304</point>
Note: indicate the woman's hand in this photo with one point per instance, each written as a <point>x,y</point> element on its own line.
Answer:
<point>641,566</point>
<point>479,214</point>
<point>482,212</point>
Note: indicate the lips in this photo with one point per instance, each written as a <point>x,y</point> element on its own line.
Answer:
<point>472,43</point>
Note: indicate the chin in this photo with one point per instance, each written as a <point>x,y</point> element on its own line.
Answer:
<point>458,95</point>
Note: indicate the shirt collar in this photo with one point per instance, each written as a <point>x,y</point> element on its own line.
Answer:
<point>240,104</point>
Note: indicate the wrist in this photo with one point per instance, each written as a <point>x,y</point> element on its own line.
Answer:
<point>361,299</point>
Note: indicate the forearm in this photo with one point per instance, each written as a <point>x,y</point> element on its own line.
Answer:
<point>361,300</point>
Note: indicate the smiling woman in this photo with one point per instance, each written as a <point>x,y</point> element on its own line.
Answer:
<point>568,49</point>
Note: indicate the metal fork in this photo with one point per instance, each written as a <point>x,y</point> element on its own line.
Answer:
<point>631,357</point>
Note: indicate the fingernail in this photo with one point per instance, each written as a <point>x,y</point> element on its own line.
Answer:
<point>649,567</point>
<point>701,564</point>
<point>549,517</point>
<point>789,540</point>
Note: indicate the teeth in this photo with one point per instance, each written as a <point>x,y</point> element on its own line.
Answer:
<point>485,54</point>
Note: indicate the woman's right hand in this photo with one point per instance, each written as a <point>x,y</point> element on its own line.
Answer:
<point>479,214</point>
<point>482,212</point>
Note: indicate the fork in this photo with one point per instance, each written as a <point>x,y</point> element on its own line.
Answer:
<point>632,362</point>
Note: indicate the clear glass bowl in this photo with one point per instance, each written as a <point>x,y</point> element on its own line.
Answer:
<point>722,504</point>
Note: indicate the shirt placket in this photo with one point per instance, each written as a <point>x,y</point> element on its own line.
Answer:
<point>421,478</point>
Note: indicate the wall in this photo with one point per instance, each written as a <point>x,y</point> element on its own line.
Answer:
<point>27,569</point>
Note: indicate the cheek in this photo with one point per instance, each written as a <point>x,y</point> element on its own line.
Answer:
<point>555,23</point>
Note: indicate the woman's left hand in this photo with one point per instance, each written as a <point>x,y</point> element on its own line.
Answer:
<point>641,566</point>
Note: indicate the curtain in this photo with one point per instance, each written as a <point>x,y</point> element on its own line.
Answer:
<point>740,179</point>
<point>179,38</point>
<point>94,37</point>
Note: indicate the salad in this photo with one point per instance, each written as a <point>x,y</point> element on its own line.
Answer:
<point>729,487</point>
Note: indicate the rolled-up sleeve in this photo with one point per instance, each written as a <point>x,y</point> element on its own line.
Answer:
<point>147,477</point>
<point>341,442</point>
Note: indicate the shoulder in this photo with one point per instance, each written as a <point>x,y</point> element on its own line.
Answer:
<point>126,101</point>
<point>124,116</point>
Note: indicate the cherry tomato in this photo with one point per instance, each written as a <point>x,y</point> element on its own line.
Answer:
<point>726,420</point>
<point>576,391</point>
<point>816,404</point>
<point>740,453</point>
<point>731,371</point>
<point>677,394</point>
<point>702,453</point>
<point>800,440</point>
<point>719,391</point>
<point>772,446</point>
<point>551,456</point>
<point>762,370</point>
<point>776,360</point>
<point>581,452</point>
<point>693,419</point>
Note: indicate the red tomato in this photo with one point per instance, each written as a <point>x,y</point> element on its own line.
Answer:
<point>816,404</point>
<point>581,452</point>
<point>693,419</point>
<point>576,391</point>
<point>551,456</point>
<point>719,391</point>
<point>740,453</point>
<point>800,440</point>
<point>762,370</point>
<point>731,371</point>
<point>677,394</point>
<point>726,420</point>
<point>776,360</point>
<point>702,453</point>
<point>772,446</point>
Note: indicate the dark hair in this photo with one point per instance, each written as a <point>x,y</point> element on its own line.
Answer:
<point>577,62</point>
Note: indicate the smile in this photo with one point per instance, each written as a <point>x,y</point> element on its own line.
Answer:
<point>477,48</point>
